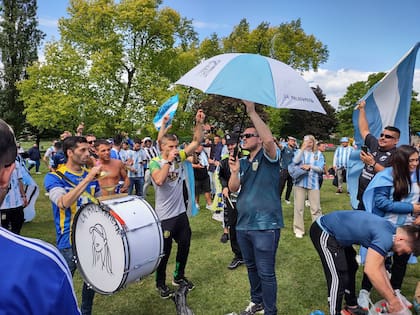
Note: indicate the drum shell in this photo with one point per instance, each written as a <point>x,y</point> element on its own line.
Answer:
<point>116,242</point>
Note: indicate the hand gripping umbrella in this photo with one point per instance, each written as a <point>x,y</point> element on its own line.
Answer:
<point>254,78</point>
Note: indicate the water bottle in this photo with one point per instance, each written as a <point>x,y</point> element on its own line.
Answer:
<point>118,187</point>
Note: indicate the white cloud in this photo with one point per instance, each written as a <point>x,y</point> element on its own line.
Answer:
<point>210,26</point>
<point>334,83</point>
<point>53,23</point>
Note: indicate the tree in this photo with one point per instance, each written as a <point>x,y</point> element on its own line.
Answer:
<point>210,47</point>
<point>414,114</point>
<point>300,123</point>
<point>294,47</point>
<point>19,42</point>
<point>111,68</point>
<point>287,42</point>
<point>226,113</point>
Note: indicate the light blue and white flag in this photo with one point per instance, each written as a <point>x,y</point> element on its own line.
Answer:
<point>388,101</point>
<point>387,104</point>
<point>169,107</point>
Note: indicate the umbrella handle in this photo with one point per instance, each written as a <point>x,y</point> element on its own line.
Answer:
<point>236,150</point>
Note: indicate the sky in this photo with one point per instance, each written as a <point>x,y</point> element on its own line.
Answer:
<point>362,36</point>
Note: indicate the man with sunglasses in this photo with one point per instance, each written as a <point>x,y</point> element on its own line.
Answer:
<point>256,178</point>
<point>380,151</point>
<point>90,138</point>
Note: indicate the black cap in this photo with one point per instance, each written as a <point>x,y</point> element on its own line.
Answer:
<point>231,138</point>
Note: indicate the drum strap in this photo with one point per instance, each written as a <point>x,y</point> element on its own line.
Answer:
<point>85,193</point>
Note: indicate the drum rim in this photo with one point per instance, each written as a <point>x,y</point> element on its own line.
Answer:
<point>104,207</point>
<point>159,225</point>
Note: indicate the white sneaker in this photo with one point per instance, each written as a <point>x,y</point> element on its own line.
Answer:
<point>403,299</point>
<point>299,235</point>
<point>218,216</point>
<point>307,203</point>
<point>364,299</point>
<point>197,205</point>
<point>287,202</point>
<point>208,207</point>
<point>252,309</point>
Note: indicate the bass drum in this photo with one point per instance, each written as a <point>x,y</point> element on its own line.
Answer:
<point>116,242</point>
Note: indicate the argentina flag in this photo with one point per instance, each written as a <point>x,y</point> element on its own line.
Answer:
<point>169,107</point>
<point>387,104</point>
<point>388,101</point>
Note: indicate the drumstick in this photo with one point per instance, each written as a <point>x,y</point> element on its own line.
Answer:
<point>230,202</point>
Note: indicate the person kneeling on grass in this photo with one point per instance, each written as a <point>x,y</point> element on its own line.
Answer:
<point>334,235</point>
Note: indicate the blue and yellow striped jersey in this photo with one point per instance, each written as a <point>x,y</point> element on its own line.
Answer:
<point>63,218</point>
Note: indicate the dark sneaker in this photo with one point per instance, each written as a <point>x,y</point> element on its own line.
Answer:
<point>164,291</point>
<point>354,311</point>
<point>183,282</point>
<point>236,262</point>
<point>224,238</point>
<point>253,308</point>
<point>339,191</point>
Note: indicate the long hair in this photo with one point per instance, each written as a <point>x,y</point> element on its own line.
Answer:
<point>401,171</point>
<point>314,144</point>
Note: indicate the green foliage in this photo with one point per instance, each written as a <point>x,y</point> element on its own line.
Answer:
<point>111,68</point>
<point>299,123</point>
<point>292,46</point>
<point>210,47</point>
<point>415,113</point>
<point>287,42</point>
<point>19,42</point>
<point>225,113</point>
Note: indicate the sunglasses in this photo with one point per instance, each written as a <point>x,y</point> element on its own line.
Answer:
<point>249,135</point>
<point>383,135</point>
<point>8,165</point>
<point>91,142</point>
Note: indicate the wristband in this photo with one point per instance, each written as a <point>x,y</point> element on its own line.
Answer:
<point>166,162</point>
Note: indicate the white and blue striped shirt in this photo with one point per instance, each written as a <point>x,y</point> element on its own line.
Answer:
<point>13,198</point>
<point>341,156</point>
<point>317,162</point>
<point>138,157</point>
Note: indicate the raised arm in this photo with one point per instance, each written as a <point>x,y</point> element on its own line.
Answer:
<point>363,123</point>
<point>198,135</point>
<point>264,132</point>
<point>163,129</point>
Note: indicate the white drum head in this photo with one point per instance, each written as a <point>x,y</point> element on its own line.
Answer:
<point>99,247</point>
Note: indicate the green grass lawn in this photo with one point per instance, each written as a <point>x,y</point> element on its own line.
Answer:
<point>301,283</point>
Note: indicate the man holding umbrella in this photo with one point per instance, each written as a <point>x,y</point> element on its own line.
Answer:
<point>260,217</point>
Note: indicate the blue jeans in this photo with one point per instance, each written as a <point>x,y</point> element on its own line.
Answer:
<point>137,183</point>
<point>259,252</point>
<point>87,293</point>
